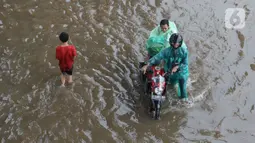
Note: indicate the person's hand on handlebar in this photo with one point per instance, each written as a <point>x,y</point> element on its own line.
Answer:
<point>144,68</point>
<point>175,69</point>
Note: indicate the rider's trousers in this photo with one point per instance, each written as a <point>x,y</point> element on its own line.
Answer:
<point>180,86</point>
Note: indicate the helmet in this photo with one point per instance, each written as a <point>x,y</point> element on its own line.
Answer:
<point>176,39</point>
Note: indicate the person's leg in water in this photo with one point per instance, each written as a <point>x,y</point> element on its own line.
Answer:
<point>183,89</point>
<point>175,84</point>
<point>180,87</point>
<point>69,75</point>
<point>63,79</point>
<point>69,79</point>
<point>66,76</point>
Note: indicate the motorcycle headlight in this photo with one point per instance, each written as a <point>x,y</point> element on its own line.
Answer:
<point>158,90</point>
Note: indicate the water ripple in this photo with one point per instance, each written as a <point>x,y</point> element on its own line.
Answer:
<point>103,100</point>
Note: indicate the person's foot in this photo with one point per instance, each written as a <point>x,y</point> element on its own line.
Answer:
<point>62,85</point>
<point>186,101</point>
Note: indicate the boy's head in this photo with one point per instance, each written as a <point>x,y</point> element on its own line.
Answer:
<point>63,37</point>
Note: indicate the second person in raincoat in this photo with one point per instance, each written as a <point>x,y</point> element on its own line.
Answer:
<point>159,37</point>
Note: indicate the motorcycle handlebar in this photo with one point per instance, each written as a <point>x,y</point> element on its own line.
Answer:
<point>167,73</point>
<point>149,69</point>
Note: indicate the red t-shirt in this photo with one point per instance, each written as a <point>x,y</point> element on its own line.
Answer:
<point>65,55</point>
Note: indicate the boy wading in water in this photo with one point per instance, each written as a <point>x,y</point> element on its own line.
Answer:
<point>65,54</point>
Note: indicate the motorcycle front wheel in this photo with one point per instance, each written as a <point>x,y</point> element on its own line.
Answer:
<point>156,112</point>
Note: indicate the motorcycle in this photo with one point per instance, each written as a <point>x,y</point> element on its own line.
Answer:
<point>155,78</point>
<point>154,87</point>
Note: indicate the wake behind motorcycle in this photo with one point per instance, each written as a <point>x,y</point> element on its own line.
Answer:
<point>154,88</point>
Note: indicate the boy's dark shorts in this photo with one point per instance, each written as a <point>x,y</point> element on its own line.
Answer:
<point>68,72</point>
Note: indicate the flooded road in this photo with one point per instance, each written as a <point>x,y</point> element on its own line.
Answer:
<point>104,103</point>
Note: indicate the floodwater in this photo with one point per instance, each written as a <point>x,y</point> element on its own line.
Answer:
<point>104,102</point>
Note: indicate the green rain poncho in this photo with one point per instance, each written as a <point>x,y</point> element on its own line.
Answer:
<point>159,40</point>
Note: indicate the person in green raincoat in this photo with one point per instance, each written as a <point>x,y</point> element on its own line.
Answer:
<point>159,37</point>
<point>176,63</point>
<point>165,28</point>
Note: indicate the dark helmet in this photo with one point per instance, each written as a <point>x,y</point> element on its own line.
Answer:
<point>175,38</point>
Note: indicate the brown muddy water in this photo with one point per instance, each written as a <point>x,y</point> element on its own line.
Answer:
<point>104,103</point>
